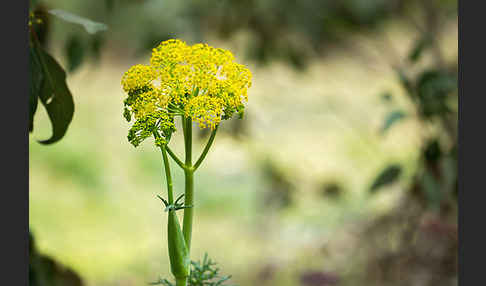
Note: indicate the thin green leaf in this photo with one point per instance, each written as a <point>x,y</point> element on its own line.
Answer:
<point>90,26</point>
<point>55,96</point>
<point>392,118</point>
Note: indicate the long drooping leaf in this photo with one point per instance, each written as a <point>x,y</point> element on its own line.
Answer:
<point>36,79</point>
<point>90,26</point>
<point>54,95</point>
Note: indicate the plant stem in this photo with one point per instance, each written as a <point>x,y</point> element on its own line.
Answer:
<point>189,183</point>
<point>175,158</point>
<point>168,176</point>
<point>188,140</point>
<point>189,212</point>
<point>181,281</point>
<point>189,170</point>
<point>206,149</point>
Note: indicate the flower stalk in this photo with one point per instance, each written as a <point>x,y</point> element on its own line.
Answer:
<point>189,182</point>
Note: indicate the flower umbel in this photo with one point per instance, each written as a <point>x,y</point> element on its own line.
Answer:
<point>199,82</point>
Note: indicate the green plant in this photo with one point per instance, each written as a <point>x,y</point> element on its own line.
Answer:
<point>199,84</point>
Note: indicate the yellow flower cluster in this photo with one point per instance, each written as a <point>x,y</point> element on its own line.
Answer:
<point>198,81</point>
<point>138,77</point>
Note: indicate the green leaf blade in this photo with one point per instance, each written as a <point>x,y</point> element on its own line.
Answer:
<point>55,96</point>
<point>36,81</point>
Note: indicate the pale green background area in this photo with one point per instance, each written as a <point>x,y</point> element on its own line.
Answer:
<point>93,202</point>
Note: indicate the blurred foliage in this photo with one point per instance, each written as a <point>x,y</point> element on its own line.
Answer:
<point>47,78</point>
<point>332,189</point>
<point>291,31</point>
<point>423,249</point>
<point>424,224</point>
<point>419,47</point>
<point>393,117</point>
<point>74,52</point>
<point>319,278</point>
<point>45,271</point>
<point>388,176</point>
<point>433,90</point>
<point>278,193</point>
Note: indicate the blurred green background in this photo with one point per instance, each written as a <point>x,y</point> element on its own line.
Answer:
<point>284,196</point>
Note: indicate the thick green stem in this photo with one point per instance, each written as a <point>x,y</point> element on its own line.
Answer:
<point>181,281</point>
<point>189,183</point>
<point>188,140</point>
<point>178,253</point>
<point>189,212</point>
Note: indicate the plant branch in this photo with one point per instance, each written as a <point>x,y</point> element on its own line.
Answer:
<point>175,158</point>
<point>168,176</point>
<point>206,149</point>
